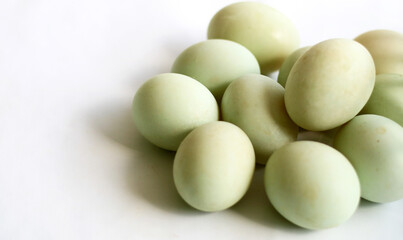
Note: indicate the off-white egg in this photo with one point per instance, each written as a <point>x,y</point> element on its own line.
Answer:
<point>312,185</point>
<point>329,84</point>
<point>255,103</point>
<point>213,166</point>
<point>374,145</point>
<point>168,106</point>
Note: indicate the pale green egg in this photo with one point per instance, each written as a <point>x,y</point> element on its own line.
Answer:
<point>168,106</point>
<point>374,145</point>
<point>386,48</point>
<point>255,103</point>
<point>213,166</point>
<point>387,98</point>
<point>329,84</point>
<point>267,33</point>
<point>216,63</point>
<point>312,185</point>
<point>288,64</point>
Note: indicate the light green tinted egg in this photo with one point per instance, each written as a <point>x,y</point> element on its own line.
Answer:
<point>387,97</point>
<point>267,33</point>
<point>255,103</point>
<point>329,84</point>
<point>288,64</point>
<point>216,63</point>
<point>312,185</point>
<point>214,166</point>
<point>374,145</point>
<point>386,47</point>
<point>168,106</point>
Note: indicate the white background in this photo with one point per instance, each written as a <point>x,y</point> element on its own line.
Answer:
<point>72,165</point>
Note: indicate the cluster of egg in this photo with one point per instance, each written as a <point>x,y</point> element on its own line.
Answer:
<point>331,85</point>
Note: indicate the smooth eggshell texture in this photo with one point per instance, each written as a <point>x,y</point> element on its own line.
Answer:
<point>168,106</point>
<point>216,63</point>
<point>267,33</point>
<point>386,48</point>
<point>213,166</point>
<point>255,103</point>
<point>387,98</point>
<point>329,84</point>
<point>312,185</point>
<point>288,64</point>
<point>374,145</point>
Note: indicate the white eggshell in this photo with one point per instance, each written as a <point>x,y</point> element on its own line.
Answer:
<point>213,166</point>
<point>386,48</point>
<point>374,145</point>
<point>255,103</point>
<point>168,106</point>
<point>329,84</point>
<point>312,185</point>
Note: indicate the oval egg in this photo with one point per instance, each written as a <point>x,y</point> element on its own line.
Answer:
<point>255,103</point>
<point>168,106</point>
<point>266,32</point>
<point>386,48</point>
<point>312,185</point>
<point>329,84</point>
<point>213,166</point>
<point>374,145</point>
<point>216,63</point>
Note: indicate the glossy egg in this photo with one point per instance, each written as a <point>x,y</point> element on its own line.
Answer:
<point>386,47</point>
<point>267,33</point>
<point>168,106</point>
<point>213,166</point>
<point>329,84</point>
<point>216,63</point>
<point>387,98</point>
<point>312,185</point>
<point>255,103</point>
<point>374,145</point>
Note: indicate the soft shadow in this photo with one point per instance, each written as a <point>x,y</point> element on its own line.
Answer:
<point>149,173</point>
<point>367,204</point>
<point>256,206</point>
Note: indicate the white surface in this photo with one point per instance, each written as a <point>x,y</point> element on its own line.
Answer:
<point>72,165</point>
